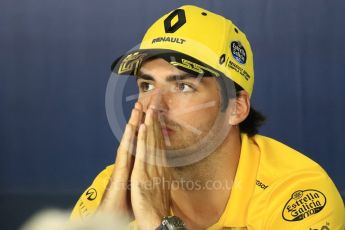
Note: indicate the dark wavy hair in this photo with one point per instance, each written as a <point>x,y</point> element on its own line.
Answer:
<point>229,90</point>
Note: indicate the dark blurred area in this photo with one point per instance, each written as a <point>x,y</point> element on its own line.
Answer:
<point>55,59</point>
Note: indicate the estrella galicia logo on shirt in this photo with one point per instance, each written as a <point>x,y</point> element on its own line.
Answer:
<point>238,52</point>
<point>91,194</point>
<point>303,204</point>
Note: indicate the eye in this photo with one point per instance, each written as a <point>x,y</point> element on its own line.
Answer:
<point>185,88</point>
<point>145,86</point>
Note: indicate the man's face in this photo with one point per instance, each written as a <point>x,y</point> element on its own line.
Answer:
<point>189,105</point>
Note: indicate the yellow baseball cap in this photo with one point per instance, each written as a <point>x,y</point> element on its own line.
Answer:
<point>198,41</point>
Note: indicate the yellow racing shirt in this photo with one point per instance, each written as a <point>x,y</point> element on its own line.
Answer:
<point>275,187</point>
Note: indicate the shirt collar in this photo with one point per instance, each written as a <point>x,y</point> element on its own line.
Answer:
<point>235,213</point>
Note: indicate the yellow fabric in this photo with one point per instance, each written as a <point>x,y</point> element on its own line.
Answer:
<point>272,183</point>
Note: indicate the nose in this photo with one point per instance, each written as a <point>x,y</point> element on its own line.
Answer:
<point>157,100</point>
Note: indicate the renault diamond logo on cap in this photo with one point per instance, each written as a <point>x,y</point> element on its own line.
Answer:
<point>181,20</point>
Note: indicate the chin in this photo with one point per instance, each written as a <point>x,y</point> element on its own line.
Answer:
<point>178,142</point>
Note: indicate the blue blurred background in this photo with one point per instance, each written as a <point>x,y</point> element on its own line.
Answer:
<point>55,61</point>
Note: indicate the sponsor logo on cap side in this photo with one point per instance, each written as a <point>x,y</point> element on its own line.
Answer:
<point>303,204</point>
<point>198,69</point>
<point>238,52</point>
<point>222,59</point>
<point>238,69</point>
<point>131,63</point>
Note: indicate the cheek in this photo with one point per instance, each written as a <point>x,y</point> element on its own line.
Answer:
<point>201,120</point>
<point>198,111</point>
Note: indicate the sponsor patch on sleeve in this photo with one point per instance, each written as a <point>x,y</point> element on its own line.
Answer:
<point>91,194</point>
<point>303,204</point>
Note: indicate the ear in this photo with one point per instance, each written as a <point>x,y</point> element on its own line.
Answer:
<point>239,108</point>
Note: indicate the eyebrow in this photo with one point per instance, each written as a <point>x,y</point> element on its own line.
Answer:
<point>168,79</point>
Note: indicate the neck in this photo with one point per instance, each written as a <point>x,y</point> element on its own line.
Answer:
<point>205,187</point>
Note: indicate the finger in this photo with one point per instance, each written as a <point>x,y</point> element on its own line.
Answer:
<point>151,142</point>
<point>124,152</point>
<point>157,138</point>
<point>141,148</point>
<point>158,124</point>
<point>154,138</point>
<point>131,149</point>
<point>139,107</point>
<point>136,115</point>
<point>162,140</point>
<point>135,120</point>
<point>149,117</point>
<point>164,131</point>
<point>143,117</point>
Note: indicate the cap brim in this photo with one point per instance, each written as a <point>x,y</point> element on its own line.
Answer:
<point>130,63</point>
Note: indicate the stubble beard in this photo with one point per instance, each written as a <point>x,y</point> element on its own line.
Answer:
<point>209,142</point>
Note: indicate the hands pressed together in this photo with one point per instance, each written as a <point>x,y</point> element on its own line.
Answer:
<point>137,188</point>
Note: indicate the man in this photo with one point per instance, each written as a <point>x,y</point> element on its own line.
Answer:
<point>190,156</point>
